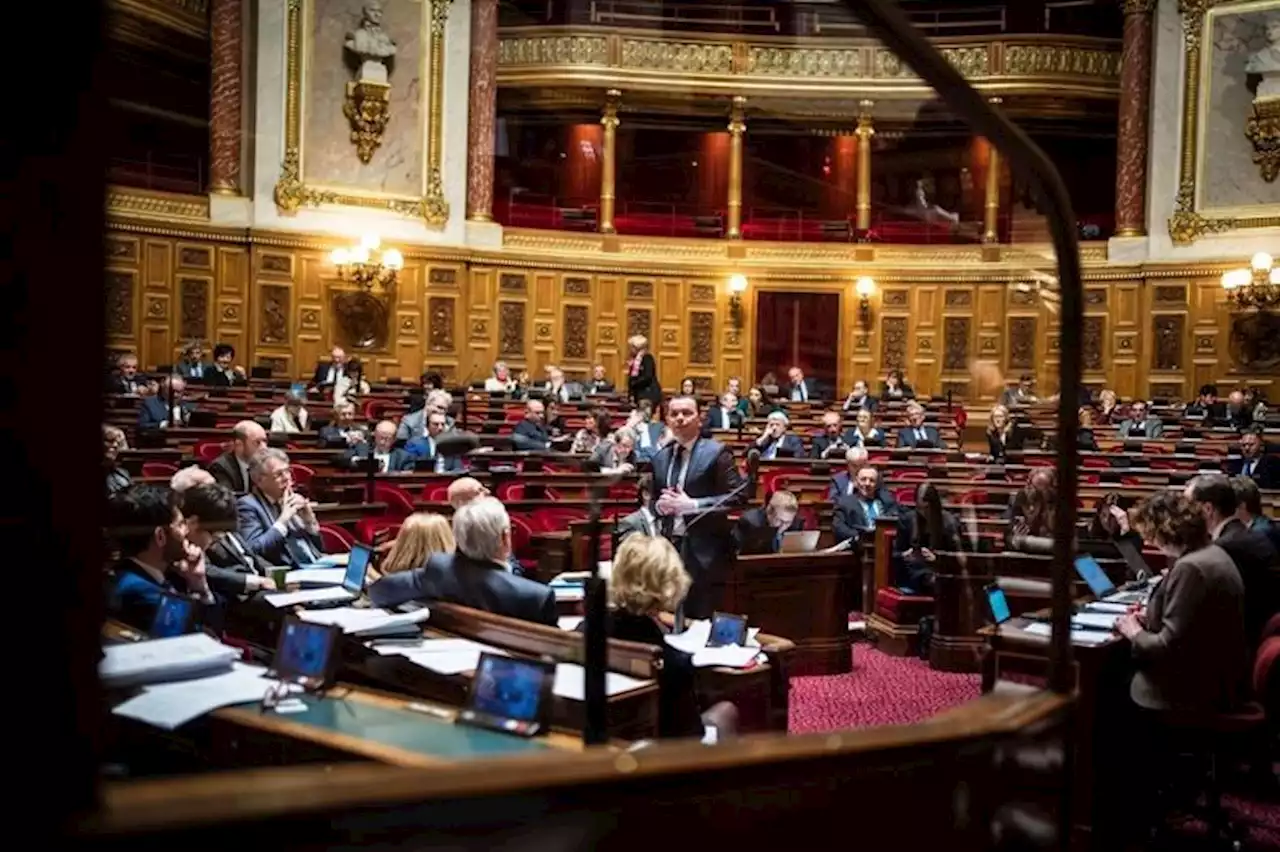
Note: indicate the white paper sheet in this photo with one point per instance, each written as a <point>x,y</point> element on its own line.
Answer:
<point>569,593</point>
<point>306,596</point>
<point>316,576</point>
<point>1102,606</point>
<point>571,682</point>
<point>1096,620</point>
<point>171,705</point>
<point>730,656</point>
<point>442,656</point>
<point>1078,637</point>
<point>157,660</point>
<point>569,622</point>
<point>365,622</point>
<point>696,634</point>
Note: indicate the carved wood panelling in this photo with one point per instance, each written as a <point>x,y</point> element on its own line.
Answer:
<point>119,302</point>
<point>1167,331</point>
<point>122,249</point>
<point>576,324</point>
<point>958,299</point>
<point>640,322</point>
<point>640,290</point>
<point>893,347</point>
<point>702,293</point>
<point>895,298</point>
<point>1022,343</point>
<point>512,283</point>
<point>195,308</point>
<point>442,276</point>
<point>1023,298</point>
<point>1171,294</point>
<point>701,332</point>
<point>195,257</point>
<point>511,328</point>
<point>577,286</point>
<point>273,319</point>
<point>281,264</point>
<point>1095,297</point>
<point>440,331</point>
<point>956,335</point>
<point>1091,342</point>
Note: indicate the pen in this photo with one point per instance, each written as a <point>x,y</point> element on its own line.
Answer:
<point>430,711</point>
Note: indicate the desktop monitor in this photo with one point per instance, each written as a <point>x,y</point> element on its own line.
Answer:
<point>305,652</point>
<point>510,695</point>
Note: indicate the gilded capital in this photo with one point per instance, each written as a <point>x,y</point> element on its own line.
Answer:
<point>738,116</point>
<point>1138,7</point>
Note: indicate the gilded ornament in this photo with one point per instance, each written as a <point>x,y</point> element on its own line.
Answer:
<point>1263,131</point>
<point>368,109</point>
<point>1139,7</point>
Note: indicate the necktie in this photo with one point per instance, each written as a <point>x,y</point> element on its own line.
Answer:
<point>431,448</point>
<point>804,392</point>
<point>233,544</point>
<point>1248,468</point>
<point>872,512</point>
<point>673,475</point>
<point>920,435</point>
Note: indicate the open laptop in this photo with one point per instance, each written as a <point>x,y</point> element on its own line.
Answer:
<point>800,541</point>
<point>175,616</point>
<point>1100,584</point>
<point>509,695</point>
<point>352,583</point>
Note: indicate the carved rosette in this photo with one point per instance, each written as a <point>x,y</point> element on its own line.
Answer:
<point>1263,132</point>
<point>368,109</point>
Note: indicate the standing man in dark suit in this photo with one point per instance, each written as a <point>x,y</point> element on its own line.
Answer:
<point>696,480</point>
<point>327,374</point>
<point>278,524</point>
<point>916,434</point>
<point>801,389</point>
<point>231,469</point>
<point>476,574</point>
<point>642,372</point>
<point>1254,463</point>
<point>761,530</point>
<point>167,408</point>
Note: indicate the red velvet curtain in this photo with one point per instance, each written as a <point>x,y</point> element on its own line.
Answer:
<point>798,329</point>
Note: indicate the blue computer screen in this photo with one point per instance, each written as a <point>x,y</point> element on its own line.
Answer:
<point>357,564</point>
<point>1091,572</point>
<point>173,617</point>
<point>507,688</point>
<point>999,605</point>
<point>304,650</point>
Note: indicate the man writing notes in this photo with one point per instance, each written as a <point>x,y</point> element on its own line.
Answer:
<point>694,481</point>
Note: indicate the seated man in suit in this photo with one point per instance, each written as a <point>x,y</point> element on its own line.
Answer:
<point>278,524</point>
<point>192,365</point>
<point>156,557</point>
<point>855,514</point>
<point>648,433</point>
<point>555,386</point>
<point>834,441</point>
<point>327,373</point>
<point>642,520</point>
<point>801,389</point>
<point>1205,405</point>
<point>598,383</point>
<point>232,467</point>
<point>530,434</point>
<point>476,574</point>
<point>916,435</point>
<point>1238,413</point>
<point>124,379</point>
<point>167,408</point>
<point>225,373</point>
<point>761,530</point>
<point>233,571</point>
<point>726,415</point>
<point>1249,509</point>
<point>425,448</point>
<point>414,424</point>
<point>1022,393</point>
<point>860,398</point>
<point>775,443</point>
<point>1140,423</point>
<point>1254,463</point>
<point>842,484</point>
<point>342,431</point>
<point>390,459</point>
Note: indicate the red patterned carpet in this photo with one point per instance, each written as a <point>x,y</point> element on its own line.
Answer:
<point>884,690</point>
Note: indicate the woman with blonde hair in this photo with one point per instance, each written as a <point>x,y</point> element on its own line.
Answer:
<point>864,430</point>
<point>648,579</point>
<point>642,372</point>
<point>421,535</point>
<point>1002,434</point>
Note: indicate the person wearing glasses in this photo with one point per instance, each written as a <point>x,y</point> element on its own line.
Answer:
<point>277,523</point>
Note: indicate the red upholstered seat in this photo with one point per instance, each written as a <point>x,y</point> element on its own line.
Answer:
<point>399,503</point>
<point>435,493</point>
<point>897,606</point>
<point>207,451</point>
<point>335,539</point>
<point>158,469</point>
<point>368,528</point>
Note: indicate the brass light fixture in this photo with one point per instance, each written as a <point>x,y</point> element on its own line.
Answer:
<point>367,264</point>
<point>865,287</point>
<point>737,286</point>
<point>1256,287</point>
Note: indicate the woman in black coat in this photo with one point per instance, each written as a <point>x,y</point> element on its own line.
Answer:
<point>922,534</point>
<point>642,373</point>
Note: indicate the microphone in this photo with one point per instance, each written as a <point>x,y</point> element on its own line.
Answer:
<point>722,501</point>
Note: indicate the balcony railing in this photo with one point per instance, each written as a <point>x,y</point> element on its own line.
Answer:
<point>169,173</point>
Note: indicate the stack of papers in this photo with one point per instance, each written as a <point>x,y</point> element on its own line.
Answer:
<point>171,705</point>
<point>316,577</point>
<point>569,593</point>
<point>694,642</point>
<point>1103,606</point>
<point>306,596</point>
<point>368,622</point>
<point>1078,637</point>
<point>571,682</point>
<point>442,656</point>
<point>1095,620</point>
<point>160,660</point>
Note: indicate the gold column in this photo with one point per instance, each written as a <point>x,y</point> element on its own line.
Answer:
<point>613,98</point>
<point>991,207</point>
<point>866,129</point>
<point>737,127</point>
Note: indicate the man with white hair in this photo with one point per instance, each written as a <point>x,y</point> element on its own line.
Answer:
<point>842,483</point>
<point>916,435</point>
<point>168,407</point>
<point>190,477</point>
<point>476,574</point>
<point>775,443</point>
<point>276,522</point>
<point>414,424</point>
<point>386,455</point>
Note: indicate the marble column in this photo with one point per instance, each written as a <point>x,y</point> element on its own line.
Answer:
<point>482,107</point>
<point>866,129</point>
<point>733,206</point>
<point>1135,105</point>
<point>226,95</point>
<point>991,203</point>
<point>608,157</point>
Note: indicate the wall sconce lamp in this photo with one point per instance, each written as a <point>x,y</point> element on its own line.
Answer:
<point>864,287</point>
<point>737,286</point>
<point>1257,287</point>
<point>365,265</point>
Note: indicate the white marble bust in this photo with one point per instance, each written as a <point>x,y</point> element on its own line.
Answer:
<point>1267,61</point>
<point>371,44</point>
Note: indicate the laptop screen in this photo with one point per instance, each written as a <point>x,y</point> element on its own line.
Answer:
<point>1091,572</point>
<point>298,388</point>
<point>357,565</point>
<point>507,688</point>
<point>1133,558</point>
<point>304,651</point>
<point>174,617</point>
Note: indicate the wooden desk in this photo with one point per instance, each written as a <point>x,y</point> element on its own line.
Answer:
<point>1101,676</point>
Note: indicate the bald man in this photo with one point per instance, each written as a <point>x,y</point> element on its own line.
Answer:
<point>189,477</point>
<point>231,469</point>
<point>390,459</point>
<point>465,489</point>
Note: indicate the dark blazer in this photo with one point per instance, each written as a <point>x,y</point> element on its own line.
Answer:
<point>839,486</point>
<point>593,386</point>
<point>914,572</point>
<point>1152,427</point>
<point>868,402</point>
<point>814,391</point>
<point>331,436</point>
<point>192,370</point>
<point>788,447</point>
<point>1266,473</point>
<point>1237,418</point>
<point>530,436</point>
<point>155,410</point>
<point>117,479</point>
<point>255,523</point>
<point>711,476</point>
<point>1259,566</point>
<point>1013,441</point>
<point>644,384</point>
<point>678,714</point>
<point>636,522</point>
<point>321,377</point>
<point>753,534</point>
<point>226,471</point>
<point>875,439</point>
<point>134,595</point>
<point>716,419</point>
<point>397,460</point>
<point>821,443</point>
<point>907,436</point>
<point>849,520</point>
<point>117,383</point>
<point>1192,655</point>
<point>908,392</point>
<point>457,578</point>
<point>218,379</point>
<point>229,562</point>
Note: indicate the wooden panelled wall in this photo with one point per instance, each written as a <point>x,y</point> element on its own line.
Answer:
<point>1153,333</point>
